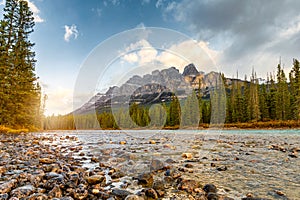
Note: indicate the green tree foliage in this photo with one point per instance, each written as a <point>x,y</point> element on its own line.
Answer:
<point>20,93</point>
<point>282,96</point>
<point>174,113</point>
<point>295,90</point>
<point>191,111</point>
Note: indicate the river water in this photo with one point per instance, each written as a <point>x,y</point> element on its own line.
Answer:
<point>264,163</point>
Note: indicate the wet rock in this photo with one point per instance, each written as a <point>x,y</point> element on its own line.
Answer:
<point>187,155</point>
<point>94,159</point>
<point>7,186</point>
<point>156,165</point>
<point>23,191</point>
<point>158,185</point>
<point>74,177</point>
<point>4,196</point>
<point>120,193</point>
<point>55,192</point>
<point>37,196</point>
<point>210,188</point>
<point>134,197</point>
<point>51,175</point>
<point>92,180</point>
<point>212,196</point>
<point>151,193</point>
<point>188,165</point>
<point>2,170</point>
<point>46,160</point>
<point>293,155</point>
<point>117,174</point>
<point>280,193</point>
<point>145,179</point>
<point>152,142</point>
<point>81,192</point>
<point>222,168</point>
<point>188,185</point>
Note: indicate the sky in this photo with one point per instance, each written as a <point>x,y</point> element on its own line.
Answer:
<point>235,35</point>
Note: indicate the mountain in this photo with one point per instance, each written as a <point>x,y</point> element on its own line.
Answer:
<point>153,88</point>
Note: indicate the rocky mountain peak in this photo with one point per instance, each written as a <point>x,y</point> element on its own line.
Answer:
<point>190,70</point>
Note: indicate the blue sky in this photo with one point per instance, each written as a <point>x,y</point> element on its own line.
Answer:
<point>238,35</point>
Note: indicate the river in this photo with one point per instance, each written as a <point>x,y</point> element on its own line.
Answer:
<point>262,163</point>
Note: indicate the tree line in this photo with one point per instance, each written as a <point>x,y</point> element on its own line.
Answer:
<point>231,102</point>
<point>20,93</point>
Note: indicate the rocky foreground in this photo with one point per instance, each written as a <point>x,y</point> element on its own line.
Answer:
<point>58,166</point>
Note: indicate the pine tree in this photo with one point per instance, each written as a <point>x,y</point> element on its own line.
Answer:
<point>21,102</point>
<point>295,90</point>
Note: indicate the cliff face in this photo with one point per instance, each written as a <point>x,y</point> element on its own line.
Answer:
<point>152,88</point>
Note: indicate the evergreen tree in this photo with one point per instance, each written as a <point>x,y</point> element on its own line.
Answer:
<point>253,98</point>
<point>174,112</point>
<point>20,103</point>
<point>282,96</point>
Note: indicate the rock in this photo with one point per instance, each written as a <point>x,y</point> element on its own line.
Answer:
<point>151,193</point>
<point>293,155</point>
<point>120,193</point>
<point>117,174</point>
<point>7,186</point>
<point>222,168</point>
<point>188,185</point>
<point>187,155</point>
<point>134,197</point>
<point>93,180</point>
<point>22,192</point>
<point>101,195</point>
<point>2,170</point>
<point>74,177</point>
<point>190,70</point>
<point>94,159</point>
<point>46,160</point>
<point>280,193</point>
<point>210,188</point>
<point>145,179</point>
<point>158,185</point>
<point>188,165</point>
<point>55,192</point>
<point>80,192</point>
<point>156,165</point>
<point>51,175</point>
<point>4,196</point>
<point>152,142</point>
<point>212,196</point>
<point>37,196</point>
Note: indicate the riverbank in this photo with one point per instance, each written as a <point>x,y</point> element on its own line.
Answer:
<point>136,165</point>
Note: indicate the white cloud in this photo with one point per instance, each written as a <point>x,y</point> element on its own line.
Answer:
<point>2,2</point>
<point>178,55</point>
<point>35,11</point>
<point>70,31</point>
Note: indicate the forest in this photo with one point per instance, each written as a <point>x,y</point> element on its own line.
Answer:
<point>245,104</point>
<point>20,92</point>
